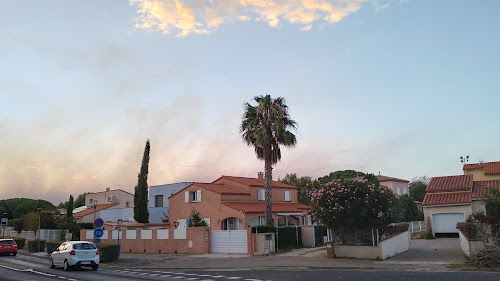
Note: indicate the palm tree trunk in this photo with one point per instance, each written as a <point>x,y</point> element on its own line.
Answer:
<point>268,177</point>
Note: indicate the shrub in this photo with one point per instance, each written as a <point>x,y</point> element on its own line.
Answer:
<point>52,245</point>
<point>397,229</point>
<point>264,229</point>
<point>33,246</point>
<point>287,237</point>
<point>107,252</point>
<point>20,241</point>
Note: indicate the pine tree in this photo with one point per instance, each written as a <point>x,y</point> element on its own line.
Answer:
<point>141,213</point>
<point>69,210</point>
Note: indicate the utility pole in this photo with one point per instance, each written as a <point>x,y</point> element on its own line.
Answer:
<point>95,207</point>
<point>38,211</point>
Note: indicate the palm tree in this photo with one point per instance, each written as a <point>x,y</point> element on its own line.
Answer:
<point>266,127</point>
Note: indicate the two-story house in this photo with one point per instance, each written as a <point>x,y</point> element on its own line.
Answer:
<point>98,203</point>
<point>235,203</point>
<point>397,186</point>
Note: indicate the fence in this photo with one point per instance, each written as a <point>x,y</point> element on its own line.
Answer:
<point>414,226</point>
<point>45,234</point>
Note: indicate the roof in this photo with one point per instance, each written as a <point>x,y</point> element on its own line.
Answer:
<point>91,210</point>
<point>110,191</point>
<point>382,178</point>
<point>481,188</point>
<point>450,184</point>
<point>454,198</point>
<point>258,207</point>
<point>256,182</point>
<point>221,188</point>
<point>490,168</point>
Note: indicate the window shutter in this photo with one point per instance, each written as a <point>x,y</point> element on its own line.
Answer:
<point>287,195</point>
<point>261,194</point>
<point>186,196</point>
<point>198,195</point>
<point>207,220</point>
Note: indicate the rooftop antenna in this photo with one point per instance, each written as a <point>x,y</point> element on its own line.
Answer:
<point>465,159</point>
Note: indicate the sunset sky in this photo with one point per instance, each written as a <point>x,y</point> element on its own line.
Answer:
<point>399,87</point>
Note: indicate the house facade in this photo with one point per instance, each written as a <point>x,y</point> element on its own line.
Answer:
<point>235,203</point>
<point>91,213</point>
<point>483,171</point>
<point>452,199</point>
<point>397,186</point>
<point>123,198</point>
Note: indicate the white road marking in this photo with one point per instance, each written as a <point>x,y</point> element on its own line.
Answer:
<point>166,276</point>
<point>253,279</point>
<point>178,277</point>
<point>233,278</point>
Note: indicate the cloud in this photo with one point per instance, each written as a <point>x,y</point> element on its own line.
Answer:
<point>203,16</point>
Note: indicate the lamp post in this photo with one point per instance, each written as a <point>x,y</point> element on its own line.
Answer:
<point>465,159</point>
<point>38,210</point>
<point>95,206</point>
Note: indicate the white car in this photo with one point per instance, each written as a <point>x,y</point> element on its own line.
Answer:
<point>75,254</point>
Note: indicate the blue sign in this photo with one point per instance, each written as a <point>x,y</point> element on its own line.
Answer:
<point>97,240</point>
<point>99,223</point>
<point>98,233</point>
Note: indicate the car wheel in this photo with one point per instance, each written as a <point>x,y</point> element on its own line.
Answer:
<point>52,264</point>
<point>14,254</point>
<point>94,267</point>
<point>66,266</point>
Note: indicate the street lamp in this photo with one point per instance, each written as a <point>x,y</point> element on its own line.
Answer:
<point>95,207</point>
<point>38,210</point>
<point>465,159</point>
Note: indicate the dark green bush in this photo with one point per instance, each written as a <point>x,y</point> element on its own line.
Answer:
<point>52,245</point>
<point>264,229</point>
<point>107,252</point>
<point>20,241</point>
<point>33,246</point>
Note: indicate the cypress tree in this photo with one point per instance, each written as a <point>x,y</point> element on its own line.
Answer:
<point>69,210</point>
<point>141,213</point>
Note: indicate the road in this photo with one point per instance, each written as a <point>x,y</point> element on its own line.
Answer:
<point>25,267</point>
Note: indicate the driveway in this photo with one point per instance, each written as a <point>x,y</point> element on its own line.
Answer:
<point>438,251</point>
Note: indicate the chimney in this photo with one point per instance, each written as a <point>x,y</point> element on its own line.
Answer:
<point>108,188</point>
<point>260,176</point>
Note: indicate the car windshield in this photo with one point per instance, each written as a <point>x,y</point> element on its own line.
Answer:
<point>3,242</point>
<point>83,246</point>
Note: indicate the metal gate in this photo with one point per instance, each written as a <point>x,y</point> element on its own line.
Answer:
<point>229,242</point>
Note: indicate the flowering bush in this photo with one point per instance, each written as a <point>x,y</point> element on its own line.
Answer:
<point>348,204</point>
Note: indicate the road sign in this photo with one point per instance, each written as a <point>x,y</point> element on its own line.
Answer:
<point>97,240</point>
<point>99,223</point>
<point>98,233</point>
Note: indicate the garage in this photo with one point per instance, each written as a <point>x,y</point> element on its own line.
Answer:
<point>446,223</point>
<point>229,242</point>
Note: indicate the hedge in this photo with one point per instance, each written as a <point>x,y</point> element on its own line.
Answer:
<point>264,229</point>
<point>20,241</point>
<point>107,252</point>
<point>287,237</point>
<point>52,245</point>
<point>33,246</point>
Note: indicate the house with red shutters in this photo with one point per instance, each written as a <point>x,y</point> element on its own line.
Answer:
<point>236,203</point>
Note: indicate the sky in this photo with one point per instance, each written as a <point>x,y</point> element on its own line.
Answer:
<point>397,87</point>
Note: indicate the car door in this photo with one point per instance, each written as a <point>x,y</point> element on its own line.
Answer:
<point>57,255</point>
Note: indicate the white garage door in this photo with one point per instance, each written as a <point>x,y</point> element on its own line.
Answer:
<point>229,241</point>
<point>446,223</point>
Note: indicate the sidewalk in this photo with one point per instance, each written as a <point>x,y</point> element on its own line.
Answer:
<point>314,258</point>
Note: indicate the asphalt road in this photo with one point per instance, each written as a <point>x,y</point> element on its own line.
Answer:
<point>25,267</point>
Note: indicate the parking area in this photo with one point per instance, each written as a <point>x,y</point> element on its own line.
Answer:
<point>439,250</point>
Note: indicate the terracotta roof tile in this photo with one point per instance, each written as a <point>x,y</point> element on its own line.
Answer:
<point>386,178</point>
<point>221,188</point>
<point>91,210</point>
<point>481,188</point>
<point>257,207</point>
<point>450,184</point>
<point>473,166</point>
<point>453,198</point>
<point>492,168</point>
<point>258,182</point>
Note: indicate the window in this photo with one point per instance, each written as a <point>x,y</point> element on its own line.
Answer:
<point>398,191</point>
<point>261,195</point>
<point>110,198</point>
<point>192,196</point>
<point>127,204</point>
<point>404,190</point>
<point>159,201</point>
<point>288,195</point>
<point>258,221</point>
<point>232,224</point>
<point>90,201</point>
